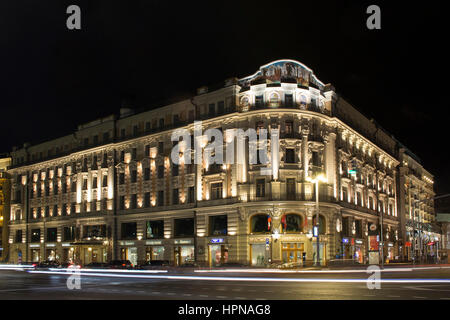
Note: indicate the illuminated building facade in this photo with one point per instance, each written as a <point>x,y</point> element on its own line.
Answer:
<point>111,191</point>
<point>5,162</point>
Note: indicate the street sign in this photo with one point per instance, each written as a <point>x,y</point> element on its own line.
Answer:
<point>315,231</point>
<point>267,240</point>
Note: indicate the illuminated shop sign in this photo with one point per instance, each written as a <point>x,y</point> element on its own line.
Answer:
<point>66,244</point>
<point>358,241</point>
<point>50,245</point>
<point>390,244</point>
<point>344,240</point>
<point>217,240</point>
<point>153,242</point>
<point>180,241</point>
<point>126,243</point>
<point>35,245</point>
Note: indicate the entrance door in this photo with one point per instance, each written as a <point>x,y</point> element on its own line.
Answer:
<point>132,255</point>
<point>292,252</point>
<point>218,254</point>
<point>258,254</point>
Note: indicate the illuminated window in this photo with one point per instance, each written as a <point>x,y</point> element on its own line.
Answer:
<point>260,223</point>
<point>274,100</point>
<point>292,223</point>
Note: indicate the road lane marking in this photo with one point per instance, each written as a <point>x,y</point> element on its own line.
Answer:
<point>419,297</point>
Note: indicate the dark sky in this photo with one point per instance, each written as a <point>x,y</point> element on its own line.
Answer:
<point>53,79</point>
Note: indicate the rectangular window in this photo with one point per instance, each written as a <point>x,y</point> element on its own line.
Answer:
<point>344,194</point>
<point>161,123</point>
<point>106,137</point>
<point>146,173</point>
<point>135,130</point>
<point>160,172</point>
<point>69,233</point>
<point>94,182</point>
<point>155,229</point>
<point>35,235</point>
<point>133,176</point>
<point>147,199</point>
<point>122,203</point>
<point>261,188</point>
<point>183,227</point>
<point>160,198</point>
<point>175,196</point>
<point>18,237</point>
<point>288,100</point>
<point>218,225</point>
<point>129,230</point>
<point>51,234</point>
<point>216,191</point>
<point>95,139</point>
<point>105,180</point>
<point>147,126</point>
<point>121,178</point>
<point>122,133</point>
<point>220,107</point>
<point>290,155</point>
<point>191,195</point>
<point>212,109</point>
<point>290,188</point>
<point>174,170</point>
<point>133,201</point>
<point>259,101</point>
<point>289,127</point>
<point>147,150</point>
<point>161,147</point>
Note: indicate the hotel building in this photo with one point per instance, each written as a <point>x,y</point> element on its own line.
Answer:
<point>110,190</point>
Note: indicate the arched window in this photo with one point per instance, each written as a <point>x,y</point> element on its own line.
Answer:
<point>260,223</point>
<point>322,223</point>
<point>303,101</point>
<point>274,100</point>
<point>292,223</point>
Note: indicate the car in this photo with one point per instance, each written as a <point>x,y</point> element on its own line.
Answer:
<point>69,265</point>
<point>47,264</point>
<point>120,264</point>
<point>153,264</point>
<point>29,264</point>
<point>96,265</point>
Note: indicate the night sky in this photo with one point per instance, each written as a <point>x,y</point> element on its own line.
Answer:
<point>53,79</point>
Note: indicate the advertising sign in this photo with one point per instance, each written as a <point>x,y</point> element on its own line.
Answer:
<point>373,243</point>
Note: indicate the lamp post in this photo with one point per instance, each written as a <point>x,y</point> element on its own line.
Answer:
<point>319,178</point>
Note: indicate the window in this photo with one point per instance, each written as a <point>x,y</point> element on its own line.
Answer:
<point>129,230</point>
<point>160,198</point>
<point>155,229</point>
<point>134,154</point>
<point>292,223</point>
<point>259,101</point>
<point>345,224</point>
<point>290,155</point>
<point>260,187</point>
<point>146,173</point>
<point>315,159</point>
<point>175,196</point>
<point>51,234</point>
<point>147,199</point>
<point>147,150</point>
<point>106,137</point>
<point>135,130</point>
<point>105,180</point>
<point>191,195</point>
<point>220,107</point>
<point>218,225</point>
<point>358,199</point>
<point>121,178</point>
<point>174,170</point>
<point>35,235</point>
<point>288,100</point>
<point>84,183</point>
<point>371,203</point>
<point>260,223</point>
<point>216,190</point>
<point>122,133</point>
<point>211,109</point>
<point>95,139</point>
<point>69,233</point>
<point>133,176</point>
<point>18,237</point>
<point>161,123</point>
<point>133,201</point>
<point>176,119</point>
<point>122,203</point>
<point>184,227</point>
<point>94,182</point>
<point>160,147</point>
<point>358,227</point>
<point>160,172</point>
<point>289,127</point>
<point>344,194</point>
<point>147,126</point>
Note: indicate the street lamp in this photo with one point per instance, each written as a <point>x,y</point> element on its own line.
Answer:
<point>319,178</point>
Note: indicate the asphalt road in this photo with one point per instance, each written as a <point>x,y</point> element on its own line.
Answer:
<point>246,286</point>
